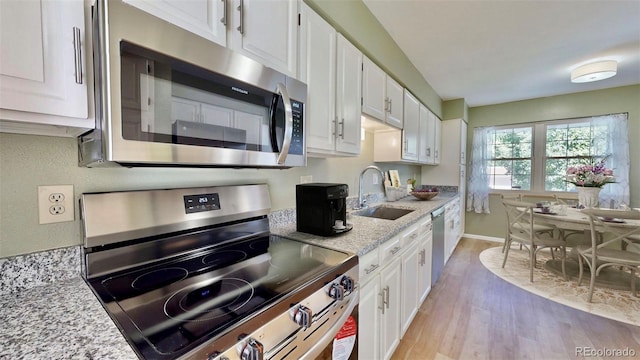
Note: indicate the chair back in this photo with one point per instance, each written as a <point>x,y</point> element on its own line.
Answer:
<point>566,199</point>
<point>519,219</point>
<point>609,221</point>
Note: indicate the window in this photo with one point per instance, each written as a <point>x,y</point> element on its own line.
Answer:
<point>571,144</point>
<point>511,164</point>
<point>535,156</point>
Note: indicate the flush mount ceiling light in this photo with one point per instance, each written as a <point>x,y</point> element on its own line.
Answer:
<point>595,71</point>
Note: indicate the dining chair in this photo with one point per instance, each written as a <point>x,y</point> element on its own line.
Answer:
<point>523,229</point>
<point>539,228</point>
<point>565,234</point>
<point>600,254</point>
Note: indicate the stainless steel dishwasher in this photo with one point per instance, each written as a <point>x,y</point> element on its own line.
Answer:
<point>437,219</point>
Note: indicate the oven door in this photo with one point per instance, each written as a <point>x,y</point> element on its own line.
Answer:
<point>160,102</point>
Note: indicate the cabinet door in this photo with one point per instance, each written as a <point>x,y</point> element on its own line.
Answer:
<point>437,140</point>
<point>369,315</point>
<point>424,278</point>
<point>348,95</point>
<point>318,54</point>
<point>411,127</point>
<point>391,278</point>
<point>184,109</point>
<point>395,94</point>
<point>206,18</point>
<point>266,31</point>
<point>423,135</point>
<point>410,269</point>
<point>374,101</point>
<point>42,58</point>
<point>463,142</point>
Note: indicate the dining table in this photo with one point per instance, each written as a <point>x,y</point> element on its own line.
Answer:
<point>570,218</point>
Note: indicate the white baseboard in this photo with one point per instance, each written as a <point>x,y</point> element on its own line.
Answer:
<point>483,237</point>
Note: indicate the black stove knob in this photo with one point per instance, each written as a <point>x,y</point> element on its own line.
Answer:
<point>252,349</point>
<point>336,292</point>
<point>301,315</point>
<point>347,283</point>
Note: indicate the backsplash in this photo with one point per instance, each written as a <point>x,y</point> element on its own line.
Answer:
<point>31,270</point>
<point>442,188</point>
<point>27,271</point>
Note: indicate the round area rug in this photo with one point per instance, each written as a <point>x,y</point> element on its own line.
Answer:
<point>609,303</point>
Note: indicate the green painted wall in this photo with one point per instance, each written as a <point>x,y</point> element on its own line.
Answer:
<point>455,109</point>
<point>353,19</point>
<point>616,100</point>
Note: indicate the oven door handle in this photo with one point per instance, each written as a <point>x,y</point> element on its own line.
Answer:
<point>288,123</point>
<point>321,344</point>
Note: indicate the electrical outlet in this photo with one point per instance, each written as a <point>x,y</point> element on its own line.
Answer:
<point>375,180</point>
<point>55,204</point>
<point>306,179</point>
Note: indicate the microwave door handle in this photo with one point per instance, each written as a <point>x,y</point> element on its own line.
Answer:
<point>288,124</point>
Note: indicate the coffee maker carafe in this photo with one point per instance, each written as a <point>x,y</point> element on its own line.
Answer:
<point>321,208</point>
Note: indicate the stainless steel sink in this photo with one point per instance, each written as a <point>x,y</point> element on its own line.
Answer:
<point>383,212</point>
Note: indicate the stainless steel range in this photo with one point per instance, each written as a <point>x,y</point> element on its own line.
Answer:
<point>195,273</point>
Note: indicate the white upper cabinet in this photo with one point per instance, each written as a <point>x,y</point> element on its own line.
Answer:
<point>437,140</point>
<point>381,95</point>
<point>410,132</point>
<point>318,70</point>
<point>266,31</point>
<point>425,153</point>
<point>206,18</point>
<point>333,76</point>
<point>348,95</point>
<point>374,97</point>
<point>395,94</point>
<point>43,77</point>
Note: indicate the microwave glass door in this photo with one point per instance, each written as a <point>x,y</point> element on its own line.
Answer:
<point>169,101</point>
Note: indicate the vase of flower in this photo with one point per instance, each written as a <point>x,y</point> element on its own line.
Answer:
<point>589,180</point>
<point>588,197</point>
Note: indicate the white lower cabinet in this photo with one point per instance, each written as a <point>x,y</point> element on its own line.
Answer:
<point>393,279</point>
<point>425,252</point>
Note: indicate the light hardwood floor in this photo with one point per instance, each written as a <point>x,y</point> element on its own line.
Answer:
<point>473,314</point>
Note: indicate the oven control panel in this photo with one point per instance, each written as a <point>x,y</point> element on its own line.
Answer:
<point>201,202</point>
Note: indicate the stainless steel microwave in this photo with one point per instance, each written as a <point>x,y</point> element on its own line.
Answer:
<point>167,97</point>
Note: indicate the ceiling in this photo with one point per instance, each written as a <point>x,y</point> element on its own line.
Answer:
<point>491,52</point>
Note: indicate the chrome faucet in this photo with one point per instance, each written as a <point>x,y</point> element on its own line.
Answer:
<point>362,203</point>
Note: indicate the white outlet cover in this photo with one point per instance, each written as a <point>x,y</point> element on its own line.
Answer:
<point>45,215</point>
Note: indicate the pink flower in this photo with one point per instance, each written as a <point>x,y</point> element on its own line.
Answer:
<point>608,172</point>
<point>571,170</point>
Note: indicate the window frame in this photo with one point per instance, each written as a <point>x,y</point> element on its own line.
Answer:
<point>538,156</point>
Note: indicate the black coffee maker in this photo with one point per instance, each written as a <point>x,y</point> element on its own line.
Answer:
<point>321,208</point>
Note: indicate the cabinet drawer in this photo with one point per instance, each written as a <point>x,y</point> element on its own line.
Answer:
<point>425,226</point>
<point>409,236</point>
<point>369,264</point>
<point>390,249</point>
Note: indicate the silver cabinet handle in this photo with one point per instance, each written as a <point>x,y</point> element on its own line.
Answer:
<point>334,125</point>
<point>341,134</point>
<point>381,307</point>
<point>395,250</point>
<point>386,104</point>
<point>371,269</point>
<point>77,48</point>
<point>428,151</point>
<point>387,292</point>
<point>241,10</point>
<point>390,105</point>
<point>288,124</point>
<point>223,19</point>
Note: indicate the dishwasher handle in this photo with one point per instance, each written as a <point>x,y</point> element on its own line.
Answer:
<point>437,212</point>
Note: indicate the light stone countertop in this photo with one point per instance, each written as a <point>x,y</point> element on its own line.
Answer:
<point>368,233</point>
<point>64,319</point>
